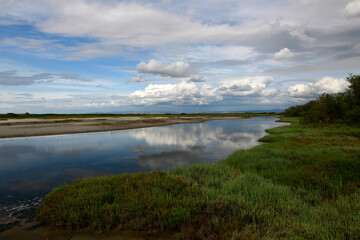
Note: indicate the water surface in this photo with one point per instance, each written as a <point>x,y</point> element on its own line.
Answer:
<point>30,167</point>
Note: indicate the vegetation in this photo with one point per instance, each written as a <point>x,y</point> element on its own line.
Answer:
<point>304,183</point>
<point>344,107</point>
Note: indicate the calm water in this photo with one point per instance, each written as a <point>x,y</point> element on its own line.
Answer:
<point>30,167</point>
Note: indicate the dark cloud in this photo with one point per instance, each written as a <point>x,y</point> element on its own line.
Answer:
<point>293,69</point>
<point>197,78</point>
<point>139,78</point>
<point>10,78</point>
<point>277,41</point>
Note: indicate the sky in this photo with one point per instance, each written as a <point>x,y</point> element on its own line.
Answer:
<point>79,56</point>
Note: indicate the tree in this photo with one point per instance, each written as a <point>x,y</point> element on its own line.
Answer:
<point>354,88</point>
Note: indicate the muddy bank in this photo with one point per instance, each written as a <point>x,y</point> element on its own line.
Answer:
<point>23,231</point>
<point>41,127</point>
<point>23,225</point>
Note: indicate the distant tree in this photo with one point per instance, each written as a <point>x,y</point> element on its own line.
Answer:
<point>11,114</point>
<point>354,88</point>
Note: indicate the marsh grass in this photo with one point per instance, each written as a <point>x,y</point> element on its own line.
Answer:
<point>303,183</point>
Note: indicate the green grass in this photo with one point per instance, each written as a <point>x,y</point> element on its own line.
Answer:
<point>303,183</point>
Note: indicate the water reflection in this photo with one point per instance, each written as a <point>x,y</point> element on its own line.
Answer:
<point>193,143</point>
<point>180,135</point>
<point>173,158</point>
<point>31,167</point>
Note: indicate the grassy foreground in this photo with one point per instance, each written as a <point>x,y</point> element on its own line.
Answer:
<point>304,183</point>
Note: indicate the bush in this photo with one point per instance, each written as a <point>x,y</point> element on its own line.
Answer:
<point>353,115</point>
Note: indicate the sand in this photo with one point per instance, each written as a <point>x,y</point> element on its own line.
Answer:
<point>41,127</point>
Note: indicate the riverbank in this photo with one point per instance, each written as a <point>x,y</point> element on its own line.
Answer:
<point>302,184</point>
<point>41,125</point>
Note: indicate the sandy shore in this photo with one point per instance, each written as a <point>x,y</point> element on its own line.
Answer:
<point>40,127</point>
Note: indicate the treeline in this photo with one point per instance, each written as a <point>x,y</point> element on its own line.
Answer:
<point>340,107</point>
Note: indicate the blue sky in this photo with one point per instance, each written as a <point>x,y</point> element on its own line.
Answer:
<point>174,56</point>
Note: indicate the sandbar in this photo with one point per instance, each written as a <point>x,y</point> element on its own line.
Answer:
<point>28,127</point>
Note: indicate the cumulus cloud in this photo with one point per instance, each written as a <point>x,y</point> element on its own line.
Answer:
<point>244,86</point>
<point>284,54</point>
<point>11,78</point>
<point>184,93</point>
<point>323,85</point>
<point>352,9</point>
<point>188,93</point>
<point>139,78</point>
<point>175,69</point>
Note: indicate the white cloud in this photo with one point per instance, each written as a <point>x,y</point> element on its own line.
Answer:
<point>184,93</point>
<point>187,92</point>
<point>244,86</point>
<point>175,69</point>
<point>139,78</point>
<point>323,85</point>
<point>352,9</point>
<point>284,54</point>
